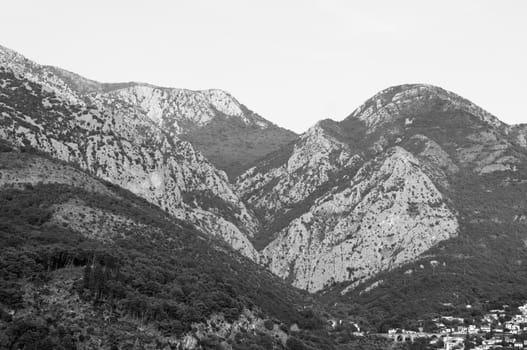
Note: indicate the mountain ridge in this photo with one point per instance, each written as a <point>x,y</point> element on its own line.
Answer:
<point>189,112</point>
<point>338,210</point>
<point>442,131</point>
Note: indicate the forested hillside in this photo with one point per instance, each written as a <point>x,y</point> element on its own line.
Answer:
<point>87,264</point>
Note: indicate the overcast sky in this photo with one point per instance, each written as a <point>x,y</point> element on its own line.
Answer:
<point>293,62</point>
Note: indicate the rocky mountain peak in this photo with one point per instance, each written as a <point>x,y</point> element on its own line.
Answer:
<point>182,110</point>
<point>229,134</point>
<point>395,156</point>
<point>397,102</point>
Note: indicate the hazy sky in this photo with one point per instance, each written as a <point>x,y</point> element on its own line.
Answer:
<point>293,62</point>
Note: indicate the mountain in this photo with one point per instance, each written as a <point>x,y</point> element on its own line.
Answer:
<point>139,114</point>
<point>41,111</point>
<point>412,206</point>
<point>215,123</point>
<point>86,264</point>
<point>117,234</point>
<point>229,134</point>
<point>483,266</point>
<point>379,189</point>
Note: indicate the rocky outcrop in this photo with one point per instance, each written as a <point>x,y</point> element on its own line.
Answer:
<point>177,111</point>
<point>218,327</point>
<point>389,213</point>
<point>519,133</point>
<point>215,123</point>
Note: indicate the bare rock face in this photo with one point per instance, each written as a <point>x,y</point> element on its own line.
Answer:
<point>278,193</point>
<point>389,213</point>
<point>37,110</point>
<point>519,133</point>
<point>434,160</point>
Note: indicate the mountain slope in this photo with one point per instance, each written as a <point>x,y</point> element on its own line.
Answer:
<point>229,134</point>
<point>87,264</point>
<point>484,266</point>
<point>353,198</point>
<point>38,110</point>
<point>418,190</point>
<point>519,132</point>
<point>225,131</point>
<point>233,145</point>
<point>138,142</point>
<point>388,215</point>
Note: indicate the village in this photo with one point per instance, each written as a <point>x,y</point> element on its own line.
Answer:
<point>498,329</point>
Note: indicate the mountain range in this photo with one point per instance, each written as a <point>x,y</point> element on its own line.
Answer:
<point>417,190</point>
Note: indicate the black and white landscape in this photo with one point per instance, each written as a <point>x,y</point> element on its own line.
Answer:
<point>134,216</point>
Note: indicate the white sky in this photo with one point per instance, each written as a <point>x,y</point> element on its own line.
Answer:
<point>293,62</point>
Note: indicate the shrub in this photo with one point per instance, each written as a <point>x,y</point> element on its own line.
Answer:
<point>268,324</point>
<point>295,344</point>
